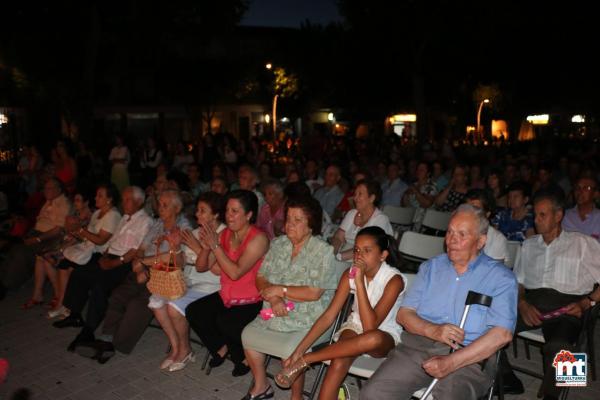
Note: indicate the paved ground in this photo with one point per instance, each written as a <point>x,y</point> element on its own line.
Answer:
<point>40,365</point>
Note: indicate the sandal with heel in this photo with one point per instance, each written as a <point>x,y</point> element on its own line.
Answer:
<point>286,377</point>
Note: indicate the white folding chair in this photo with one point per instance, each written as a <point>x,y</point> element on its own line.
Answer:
<point>401,218</point>
<point>514,248</point>
<point>585,340</point>
<point>418,247</point>
<point>436,220</point>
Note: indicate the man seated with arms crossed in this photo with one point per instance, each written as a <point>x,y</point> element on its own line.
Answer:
<point>431,313</point>
<point>555,269</point>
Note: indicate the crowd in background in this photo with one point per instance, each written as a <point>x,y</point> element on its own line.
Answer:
<point>413,174</point>
<point>239,204</point>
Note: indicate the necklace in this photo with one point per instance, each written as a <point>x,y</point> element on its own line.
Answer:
<point>362,220</point>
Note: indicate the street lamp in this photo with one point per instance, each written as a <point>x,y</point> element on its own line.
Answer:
<point>269,67</point>
<point>481,103</point>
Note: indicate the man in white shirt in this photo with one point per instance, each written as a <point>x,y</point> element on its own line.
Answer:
<point>104,272</point>
<point>496,245</point>
<point>555,269</point>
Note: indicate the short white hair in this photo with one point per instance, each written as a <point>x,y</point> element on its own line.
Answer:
<point>137,193</point>
<point>478,213</point>
<point>174,196</point>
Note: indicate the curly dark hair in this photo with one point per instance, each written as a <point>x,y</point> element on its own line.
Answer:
<point>216,202</point>
<point>311,208</point>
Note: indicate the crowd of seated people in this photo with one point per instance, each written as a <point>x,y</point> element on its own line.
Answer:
<point>249,240</point>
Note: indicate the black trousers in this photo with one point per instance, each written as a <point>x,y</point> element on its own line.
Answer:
<point>559,333</point>
<point>128,315</point>
<point>93,283</point>
<point>217,325</point>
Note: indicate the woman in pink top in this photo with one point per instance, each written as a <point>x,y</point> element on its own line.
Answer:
<point>236,254</point>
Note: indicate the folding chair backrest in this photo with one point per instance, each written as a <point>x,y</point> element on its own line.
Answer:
<point>399,215</point>
<point>514,247</point>
<point>419,247</point>
<point>437,220</point>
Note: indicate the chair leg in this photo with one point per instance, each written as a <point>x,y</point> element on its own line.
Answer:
<point>591,348</point>
<point>527,353</point>
<point>313,390</point>
<point>206,358</point>
<point>514,347</point>
<point>500,381</point>
<point>564,393</point>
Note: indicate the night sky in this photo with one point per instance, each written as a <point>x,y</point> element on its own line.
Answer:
<point>290,13</point>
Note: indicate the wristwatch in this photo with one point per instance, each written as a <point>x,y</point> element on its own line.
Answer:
<point>284,291</point>
<point>592,301</point>
<point>122,259</point>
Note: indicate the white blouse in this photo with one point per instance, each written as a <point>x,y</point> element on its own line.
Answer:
<point>377,219</point>
<point>375,290</point>
<point>204,282</point>
<point>81,253</point>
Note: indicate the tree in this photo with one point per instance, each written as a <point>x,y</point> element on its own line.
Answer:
<point>69,50</point>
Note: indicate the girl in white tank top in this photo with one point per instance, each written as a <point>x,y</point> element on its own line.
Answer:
<point>370,328</point>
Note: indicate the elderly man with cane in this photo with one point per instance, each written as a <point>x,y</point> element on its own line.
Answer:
<point>431,315</point>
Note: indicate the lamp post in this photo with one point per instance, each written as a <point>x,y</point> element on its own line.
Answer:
<point>269,67</point>
<point>481,103</point>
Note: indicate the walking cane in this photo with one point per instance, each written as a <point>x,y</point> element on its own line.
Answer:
<point>472,298</point>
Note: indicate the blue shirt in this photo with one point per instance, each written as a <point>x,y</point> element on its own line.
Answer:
<point>438,294</point>
<point>329,198</point>
<point>513,229</point>
<point>392,192</point>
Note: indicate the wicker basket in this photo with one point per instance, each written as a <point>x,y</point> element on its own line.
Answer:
<point>166,280</point>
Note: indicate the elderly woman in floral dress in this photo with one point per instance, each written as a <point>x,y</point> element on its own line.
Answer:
<point>297,268</point>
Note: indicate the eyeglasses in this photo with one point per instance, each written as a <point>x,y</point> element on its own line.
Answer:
<point>582,188</point>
